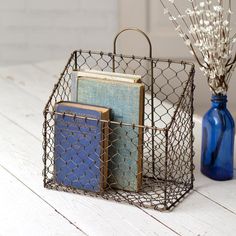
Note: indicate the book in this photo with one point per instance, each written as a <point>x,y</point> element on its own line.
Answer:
<point>81,146</point>
<point>115,76</point>
<point>101,75</point>
<point>126,101</point>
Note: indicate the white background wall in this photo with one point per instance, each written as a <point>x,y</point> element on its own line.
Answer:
<point>148,15</point>
<point>36,30</point>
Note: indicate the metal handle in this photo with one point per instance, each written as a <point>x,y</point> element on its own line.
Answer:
<point>152,82</point>
<point>136,30</point>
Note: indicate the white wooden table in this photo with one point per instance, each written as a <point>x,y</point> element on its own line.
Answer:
<point>26,208</point>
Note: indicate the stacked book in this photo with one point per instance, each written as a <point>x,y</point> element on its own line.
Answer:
<point>93,150</point>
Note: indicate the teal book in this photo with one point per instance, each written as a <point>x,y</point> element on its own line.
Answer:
<point>126,101</point>
<point>81,146</point>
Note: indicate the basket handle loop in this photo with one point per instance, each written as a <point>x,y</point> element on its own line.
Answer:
<point>137,30</point>
<point>152,80</point>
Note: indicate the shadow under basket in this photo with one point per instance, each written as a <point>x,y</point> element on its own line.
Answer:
<point>163,174</point>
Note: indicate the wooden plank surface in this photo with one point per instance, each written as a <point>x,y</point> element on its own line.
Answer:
<point>22,155</point>
<point>93,216</point>
<point>24,213</point>
<point>223,193</point>
<point>199,214</point>
<point>210,208</point>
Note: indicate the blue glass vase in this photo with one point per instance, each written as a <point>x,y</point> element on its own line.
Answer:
<point>218,141</point>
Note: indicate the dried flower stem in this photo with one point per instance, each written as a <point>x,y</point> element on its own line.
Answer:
<point>206,32</point>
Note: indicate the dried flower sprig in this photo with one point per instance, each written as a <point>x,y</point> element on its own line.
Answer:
<point>205,28</point>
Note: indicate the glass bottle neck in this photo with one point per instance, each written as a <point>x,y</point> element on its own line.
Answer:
<point>219,101</point>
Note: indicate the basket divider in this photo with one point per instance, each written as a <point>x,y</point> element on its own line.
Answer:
<point>152,82</point>
<point>76,58</point>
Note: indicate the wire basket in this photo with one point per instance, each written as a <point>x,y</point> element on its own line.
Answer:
<point>165,170</point>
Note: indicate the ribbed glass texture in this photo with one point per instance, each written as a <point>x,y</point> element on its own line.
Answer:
<point>218,131</point>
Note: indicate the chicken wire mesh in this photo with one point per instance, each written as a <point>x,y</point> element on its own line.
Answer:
<point>162,173</point>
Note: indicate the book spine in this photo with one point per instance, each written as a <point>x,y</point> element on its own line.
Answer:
<point>74,86</point>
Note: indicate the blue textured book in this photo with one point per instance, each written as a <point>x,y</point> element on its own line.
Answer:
<point>126,101</point>
<point>80,149</point>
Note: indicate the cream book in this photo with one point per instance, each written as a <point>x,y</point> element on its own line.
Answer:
<point>94,74</point>
<point>116,76</point>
